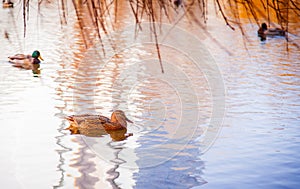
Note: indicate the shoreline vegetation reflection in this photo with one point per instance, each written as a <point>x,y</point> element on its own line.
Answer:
<point>100,18</point>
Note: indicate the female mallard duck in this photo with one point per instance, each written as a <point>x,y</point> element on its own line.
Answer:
<point>264,31</point>
<point>27,61</point>
<point>98,125</point>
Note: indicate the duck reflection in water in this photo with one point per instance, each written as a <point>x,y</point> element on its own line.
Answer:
<point>98,125</point>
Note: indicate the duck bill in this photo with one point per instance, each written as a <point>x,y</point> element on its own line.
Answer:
<point>128,120</point>
<point>40,58</point>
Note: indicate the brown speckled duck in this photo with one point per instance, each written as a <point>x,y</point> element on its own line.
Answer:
<point>98,125</point>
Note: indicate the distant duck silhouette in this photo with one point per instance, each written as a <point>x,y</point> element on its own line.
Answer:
<point>6,35</point>
<point>177,3</point>
<point>264,31</point>
<point>98,125</point>
<point>28,62</point>
<point>7,4</point>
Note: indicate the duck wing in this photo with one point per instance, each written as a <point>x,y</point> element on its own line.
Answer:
<point>87,120</point>
<point>76,119</point>
<point>19,57</point>
<point>104,119</point>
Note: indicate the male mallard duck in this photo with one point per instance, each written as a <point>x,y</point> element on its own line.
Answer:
<point>26,61</point>
<point>264,31</point>
<point>98,125</point>
<point>7,4</point>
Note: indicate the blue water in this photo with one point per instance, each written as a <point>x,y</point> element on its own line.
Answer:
<point>256,146</point>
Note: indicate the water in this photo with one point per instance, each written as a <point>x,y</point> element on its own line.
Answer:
<point>173,113</point>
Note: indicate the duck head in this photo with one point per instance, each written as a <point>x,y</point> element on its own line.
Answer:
<point>264,26</point>
<point>119,117</point>
<point>36,54</point>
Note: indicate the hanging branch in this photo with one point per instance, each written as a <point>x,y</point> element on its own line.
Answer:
<point>24,16</point>
<point>287,25</point>
<point>63,7</point>
<point>223,14</point>
<point>156,10</point>
<point>152,17</point>
<point>80,22</point>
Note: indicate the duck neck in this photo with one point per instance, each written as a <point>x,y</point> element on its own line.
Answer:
<point>36,61</point>
<point>118,121</point>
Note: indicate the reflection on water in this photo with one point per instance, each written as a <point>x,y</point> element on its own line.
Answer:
<point>260,134</point>
<point>260,129</point>
<point>181,171</point>
<point>116,135</point>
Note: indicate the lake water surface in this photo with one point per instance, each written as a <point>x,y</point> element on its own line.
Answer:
<point>223,115</point>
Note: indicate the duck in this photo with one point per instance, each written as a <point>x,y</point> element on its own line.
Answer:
<point>264,31</point>
<point>177,3</point>
<point>98,125</point>
<point>28,62</point>
<point>7,4</point>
